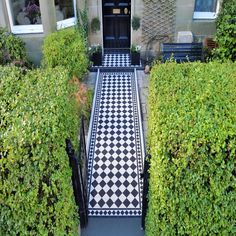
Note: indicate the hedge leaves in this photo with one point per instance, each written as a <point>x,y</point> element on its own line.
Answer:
<point>192,140</point>
<point>226,31</point>
<point>66,48</point>
<point>37,115</point>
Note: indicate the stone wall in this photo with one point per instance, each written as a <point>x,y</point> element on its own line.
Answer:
<point>185,21</point>
<point>3,22</point>
<point>137,7</point>
<point>95,10</point>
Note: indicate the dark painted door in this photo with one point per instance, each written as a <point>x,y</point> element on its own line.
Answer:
<point>116,23</point>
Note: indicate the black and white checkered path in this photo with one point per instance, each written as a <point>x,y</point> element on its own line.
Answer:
<point>115,151</point>
<point>120,60</point>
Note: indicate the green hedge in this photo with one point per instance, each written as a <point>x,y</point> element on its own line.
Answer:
<point>12,49</point>
<point>226,30</point>
<point>37,115</point>
<point>66,48</point>
<point>192,141</point>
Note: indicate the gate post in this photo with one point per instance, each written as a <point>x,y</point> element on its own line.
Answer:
<point>145,177</point>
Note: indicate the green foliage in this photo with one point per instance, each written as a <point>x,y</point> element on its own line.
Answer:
<point>37,115</point>
<point>83,21</point>
<point>135,22</point>
<point>12,49</point>
<point>95,25</point>
<point>192,140</point>
<point>135,48</point>
<point>226,31</point>
<point>94,48</point>
<point>66,48</point>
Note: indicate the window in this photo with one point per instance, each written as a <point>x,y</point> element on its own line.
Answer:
<point>206,9</point>
<point>25,16</point>
<point>65,13</point>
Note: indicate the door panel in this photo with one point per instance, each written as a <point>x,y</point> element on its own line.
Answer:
<point>116,23</point>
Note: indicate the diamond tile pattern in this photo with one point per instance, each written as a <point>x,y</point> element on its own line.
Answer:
<point>115,157</point>
<point>117,60</point>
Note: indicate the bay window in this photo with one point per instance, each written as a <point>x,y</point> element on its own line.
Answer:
<point>206,9</point>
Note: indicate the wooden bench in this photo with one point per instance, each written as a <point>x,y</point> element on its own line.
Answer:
<point>182,52</point>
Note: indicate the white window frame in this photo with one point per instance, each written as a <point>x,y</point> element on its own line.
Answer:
<point>22,29</point>
<point>68,22</point>
<point>198,15</point>
<point>32,29</point>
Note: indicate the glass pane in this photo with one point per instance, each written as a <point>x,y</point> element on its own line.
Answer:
<point>64,9</point>
<point>205,5</point>
<point>25,12</point>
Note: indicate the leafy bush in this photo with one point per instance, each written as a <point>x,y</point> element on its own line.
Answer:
<point>12,49</point>
<point>226,30</point>
<point>192,141</point>
<point>66,48</point>
<point>37,115</point>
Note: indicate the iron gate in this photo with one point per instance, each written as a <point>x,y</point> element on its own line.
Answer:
<point>145,177</point>
<point>79,175</point>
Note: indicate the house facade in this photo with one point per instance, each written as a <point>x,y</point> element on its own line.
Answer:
<point>119,23</point>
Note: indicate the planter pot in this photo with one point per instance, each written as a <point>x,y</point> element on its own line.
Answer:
<point>135,58</point>
<point>97,59</point>
<point>147,69</point>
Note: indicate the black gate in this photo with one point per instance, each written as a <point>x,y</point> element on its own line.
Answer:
<point>79,175</point>
<point>145,177</point>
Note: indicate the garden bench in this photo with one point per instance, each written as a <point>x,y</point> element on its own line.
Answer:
<point>182,52</point>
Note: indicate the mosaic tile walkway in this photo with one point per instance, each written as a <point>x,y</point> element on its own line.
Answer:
<point>117,60</point>
<point>115,151</point>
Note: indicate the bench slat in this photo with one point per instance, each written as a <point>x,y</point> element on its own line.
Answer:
<point>182,52</point>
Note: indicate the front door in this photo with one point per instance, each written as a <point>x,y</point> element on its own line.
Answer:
<point>116,23</point>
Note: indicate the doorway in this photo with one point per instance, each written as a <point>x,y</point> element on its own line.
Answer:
<point>116,23</point>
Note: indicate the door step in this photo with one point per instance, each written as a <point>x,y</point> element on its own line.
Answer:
<point>116,50</point>
<point>117,60</point>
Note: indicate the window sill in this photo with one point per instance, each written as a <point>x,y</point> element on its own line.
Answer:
<point>204,15</point>
<point>66,23</point>
<point>27,29</point>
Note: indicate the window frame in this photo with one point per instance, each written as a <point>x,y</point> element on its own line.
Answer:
<point>22,29</point>
<point>199,15</point>
<point>38,28</point>
<point>68,22</point>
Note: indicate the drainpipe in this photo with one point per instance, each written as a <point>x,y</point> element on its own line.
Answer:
<point>48,16</point>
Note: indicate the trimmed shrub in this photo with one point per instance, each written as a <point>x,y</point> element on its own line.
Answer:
<point>226,31</point>
<point>66,48</point>
<point>12,49</point>
<point>192,141</point>
<point>37,114</point>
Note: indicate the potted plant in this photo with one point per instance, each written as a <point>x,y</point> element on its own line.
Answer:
<point>135,54</point>
<point>95,53</point>
<point>32,12</point>
<point>95,25</point>
<point>135,22</point>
